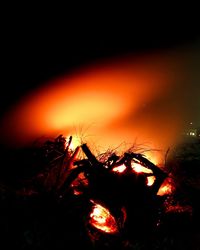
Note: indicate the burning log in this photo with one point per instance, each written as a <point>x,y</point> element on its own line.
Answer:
<point>102,219</point>
<point>157,172</point>
<point>92,159</point>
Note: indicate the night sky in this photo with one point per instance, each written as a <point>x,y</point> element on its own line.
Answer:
<point>35,53</point>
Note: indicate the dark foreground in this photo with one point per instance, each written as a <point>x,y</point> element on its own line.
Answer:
<point>43,221</point>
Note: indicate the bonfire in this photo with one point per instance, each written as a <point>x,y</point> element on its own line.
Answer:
<point>124,195</point>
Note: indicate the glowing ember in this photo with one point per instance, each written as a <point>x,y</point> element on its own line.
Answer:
<point>165,189</point>
<point>119,169</point>
<point>172,206</point>
<point>138,168</point>
<point>76,192</point>
<point>102,219</point>
<point>79,183</point>
<point>150,180</point>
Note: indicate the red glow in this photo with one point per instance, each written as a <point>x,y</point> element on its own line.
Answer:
<point>102,219</point>
<point>80,183</point>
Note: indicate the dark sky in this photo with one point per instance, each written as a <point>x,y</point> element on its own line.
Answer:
<point>35,53</point>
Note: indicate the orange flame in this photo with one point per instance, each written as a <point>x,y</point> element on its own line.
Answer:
<point>165,189</point>
<point>102,219</point>
<point>119,169</point>
<point>138,168</point>
<point>150,180</point>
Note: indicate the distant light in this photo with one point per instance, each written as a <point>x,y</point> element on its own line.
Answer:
<point>191,123</point>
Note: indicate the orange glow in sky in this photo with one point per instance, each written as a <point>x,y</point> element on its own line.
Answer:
<point>105,105</point>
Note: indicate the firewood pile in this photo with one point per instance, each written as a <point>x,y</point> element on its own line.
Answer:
<point>105,202</point>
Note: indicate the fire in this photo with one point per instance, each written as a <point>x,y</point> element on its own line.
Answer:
<point>150,180</point>
<point>119,169</point>
<point>74,143</point>
<point>165,189</point>
<point>102,219</point>
<point>154,156</point>
<point>116,101</point>
<point>138,168</point>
